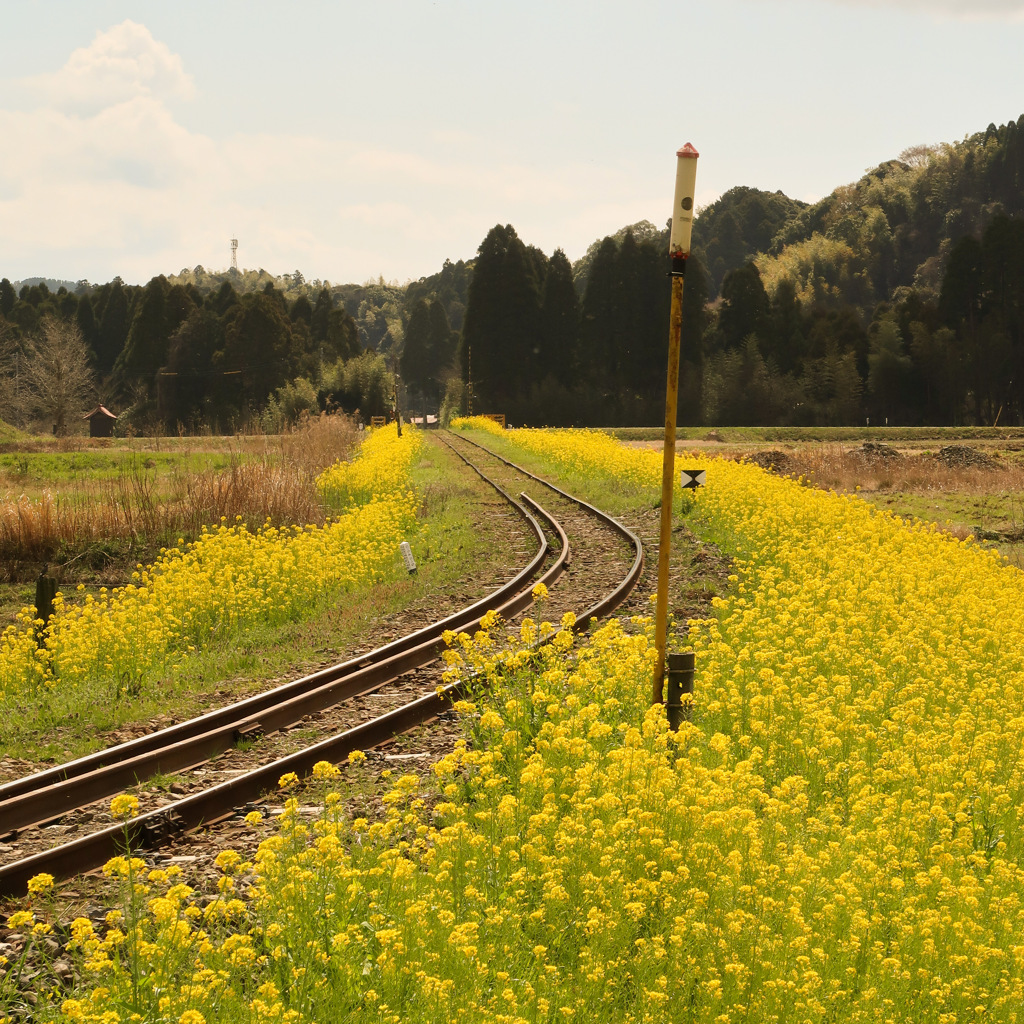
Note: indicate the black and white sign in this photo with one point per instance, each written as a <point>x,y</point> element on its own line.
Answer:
<point>692,477</point>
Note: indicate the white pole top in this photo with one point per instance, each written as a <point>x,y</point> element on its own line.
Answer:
<point>682,205</point>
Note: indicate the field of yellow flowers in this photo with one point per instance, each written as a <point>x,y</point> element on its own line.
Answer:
<point>212,590</point>
<point>833,837</point>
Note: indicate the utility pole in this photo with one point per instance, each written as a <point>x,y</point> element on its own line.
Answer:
<point>679,252</point>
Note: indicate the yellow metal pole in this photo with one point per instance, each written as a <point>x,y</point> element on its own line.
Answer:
<point>679,249</point>
<point>668,471</point>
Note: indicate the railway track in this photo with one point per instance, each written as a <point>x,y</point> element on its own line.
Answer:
<point>573,544</point>
<point>609,556</point>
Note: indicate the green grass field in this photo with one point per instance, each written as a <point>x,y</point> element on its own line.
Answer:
<point>804,435</point>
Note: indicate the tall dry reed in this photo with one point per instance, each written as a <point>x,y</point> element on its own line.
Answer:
<point>843,469</point>
<point>277,481</point>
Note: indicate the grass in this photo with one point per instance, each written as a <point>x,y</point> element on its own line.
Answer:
<point>11,435</point>
<point>448,551</point>
<point>92,514</point>
<point>164,780</point>
<point>34,473</point>
<point>891,435</point>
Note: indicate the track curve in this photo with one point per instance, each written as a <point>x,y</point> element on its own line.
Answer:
<point>110,771</point>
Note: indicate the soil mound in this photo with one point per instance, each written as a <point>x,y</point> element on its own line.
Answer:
<point>962,456</point>
<point>773,461</point>
<point>875,453</point>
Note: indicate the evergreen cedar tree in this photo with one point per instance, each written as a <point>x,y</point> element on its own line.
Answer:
<point>428,351</point>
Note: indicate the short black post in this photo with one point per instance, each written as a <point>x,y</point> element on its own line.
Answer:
<point>680,683</point>
<point>46,591</point>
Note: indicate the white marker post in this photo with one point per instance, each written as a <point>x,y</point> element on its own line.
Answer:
<point>679,250</point>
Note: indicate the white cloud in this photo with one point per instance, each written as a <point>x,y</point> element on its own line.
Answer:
<point>121,64</point>
<point>102,178</point>
<point>121,186</point>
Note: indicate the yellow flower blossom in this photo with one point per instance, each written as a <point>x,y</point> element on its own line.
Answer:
<point>124,806</point>
<point>40,884</point>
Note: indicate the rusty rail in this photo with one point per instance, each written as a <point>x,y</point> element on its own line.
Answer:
<point>607,604</point>
<point>202,809</point>
<point>40,797</point>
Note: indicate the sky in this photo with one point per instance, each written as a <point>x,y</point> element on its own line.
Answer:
<point>352,140</point>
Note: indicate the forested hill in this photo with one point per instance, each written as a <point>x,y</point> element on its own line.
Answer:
<point>899,298</point>
<point>739,226</point>
<point>892,229</point>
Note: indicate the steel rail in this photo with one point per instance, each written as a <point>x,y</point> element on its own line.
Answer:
<point>40,797</point>
<point>608,604</point>
<point>218,802</point>
<point>156,827</point>
<point>212,805</point>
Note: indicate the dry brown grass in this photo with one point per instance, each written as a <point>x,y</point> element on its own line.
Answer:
<point>844,469</point>
<point>319,442</point>
<point>276,482</point>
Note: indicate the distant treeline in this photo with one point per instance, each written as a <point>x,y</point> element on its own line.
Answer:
<point>897,298</point>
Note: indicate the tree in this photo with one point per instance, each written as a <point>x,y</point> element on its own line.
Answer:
<point>787,326</point>
<point>87,323</point>
<point>936,361</point>
<point>889,373</point>
<point>223,299</point>
<point>342,339</point>
<point>259,349</point>
<point>599,352</point>
<point>10,358</point>
<point>832,387</point>
<point>502,327</point>
<point>163,309</point>
<point>187,383</point>
<point>301,309</point>
<point>560,320</point>
<point>443,340</point>
<point>361,385</point>
<point>57,376</point>
<point>113,329</point>
<point>320,316</point>
<point>691,352</point>
<point>919,156</point>
<point>8,297</point>
<point>449,287</point>
<point>67,304</point>
<point>741,388</point>
<point>417,363</point>
<point>642,231</point>
<point>738,225</point>
<point>961,306</point>
<point>745,307</point>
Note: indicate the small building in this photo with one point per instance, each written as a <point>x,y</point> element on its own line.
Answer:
<point>427,422</point>
<point>101,421</point>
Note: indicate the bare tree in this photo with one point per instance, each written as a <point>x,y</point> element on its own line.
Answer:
<point>918,156</point>
<point>57,377</point>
